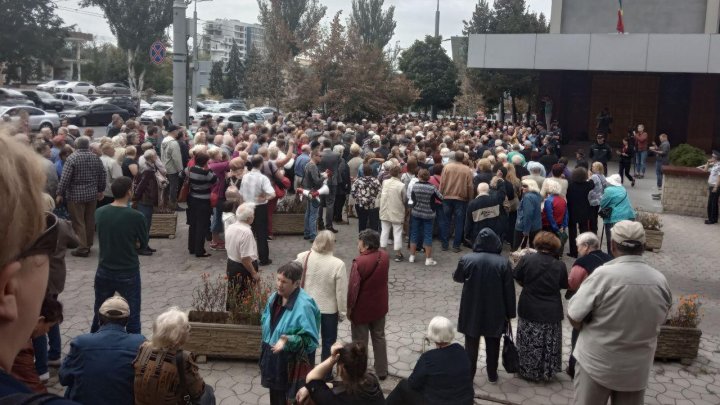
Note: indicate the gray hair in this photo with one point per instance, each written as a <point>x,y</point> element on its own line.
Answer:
<point>170,329</point>
<point>339,149</point>
<point>82,142</point>
<point>517,160</point>
<point>324,242</point>
<point>245,211</point>
<point>589,239</point>
<point>552,186</point>
<point>441,330</point>
<point>150,154</point>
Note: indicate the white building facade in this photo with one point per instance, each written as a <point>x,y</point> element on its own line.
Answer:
<point>219,35</point>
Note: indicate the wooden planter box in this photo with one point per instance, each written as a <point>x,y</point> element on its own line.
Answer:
<point>675,343</point>
<point>653,239</point>
<point>163,225</point>
<point>225,341</point>
<point>288,224</point>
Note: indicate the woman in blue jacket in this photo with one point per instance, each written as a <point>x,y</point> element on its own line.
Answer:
<point>290,330</point>
<point>529,217</point>
<point>615,197</point>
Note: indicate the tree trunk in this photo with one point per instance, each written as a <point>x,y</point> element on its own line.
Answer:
<point>514,109</point>
<point>501,117</point>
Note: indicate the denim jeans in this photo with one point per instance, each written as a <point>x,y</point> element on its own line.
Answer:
<point>107,282</point>
<point>147,211</point>
<point>658,172</point>
<point>42,354</point>
<point>328,331</point>
<point>456,208</point>
<point>640,157</point>
<point>443,225</point>
<point>311,217</point>
<point>421,231</point>
<point>216,224</point>
<point>173,188</point>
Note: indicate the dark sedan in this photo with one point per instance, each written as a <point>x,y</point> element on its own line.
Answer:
<point>93,114</point>
<point>112,89</point>
<point>120,101</point>
<point>47,101</point>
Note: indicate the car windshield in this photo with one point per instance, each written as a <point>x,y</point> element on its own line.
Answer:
<point>108,85</point>
<point>159,107</point>
<point>13,93</point>
<point>80,97</point>
<point>4,110</point>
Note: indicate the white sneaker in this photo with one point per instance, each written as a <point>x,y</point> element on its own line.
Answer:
<point>44,378</point>
<point>430,262</point>
<point>411,259</point>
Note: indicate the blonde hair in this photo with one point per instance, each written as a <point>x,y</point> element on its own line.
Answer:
<point>324,242</point>
<point>531,185</point>
<point>170,329</point>
<point>21,186</point>
<point>131,151</point>
<point>598,167</point>
<point>551,186</point>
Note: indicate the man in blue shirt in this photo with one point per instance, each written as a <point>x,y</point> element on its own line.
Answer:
<point>98,370</point>
<point>300,163</point>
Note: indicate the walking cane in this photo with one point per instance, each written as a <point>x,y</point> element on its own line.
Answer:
<point>602,236</point>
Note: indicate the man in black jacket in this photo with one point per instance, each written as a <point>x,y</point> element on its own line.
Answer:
<point>488,299</point>
<point>329,161</point>
<point>486,211</point>
<point>600,151</point>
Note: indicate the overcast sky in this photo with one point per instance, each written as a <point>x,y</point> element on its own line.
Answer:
<point>415,18</point>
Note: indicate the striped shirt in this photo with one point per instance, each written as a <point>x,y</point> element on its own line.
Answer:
<point>423,194</point>
<point>201,182</point>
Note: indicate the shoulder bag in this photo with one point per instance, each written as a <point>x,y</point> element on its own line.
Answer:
<point>606,212</point>
<point>510,358</point>
<point>205,399</point>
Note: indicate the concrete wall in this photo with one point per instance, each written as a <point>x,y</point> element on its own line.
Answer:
<point>640,16</point>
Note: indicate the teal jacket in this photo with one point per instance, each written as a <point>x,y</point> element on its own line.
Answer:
<point>300,322</point>
<point>617,198</point>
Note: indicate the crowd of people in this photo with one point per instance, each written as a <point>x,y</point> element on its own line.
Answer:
<point>475,186</point>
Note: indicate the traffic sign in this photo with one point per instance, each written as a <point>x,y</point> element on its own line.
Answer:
<point>157,52</point>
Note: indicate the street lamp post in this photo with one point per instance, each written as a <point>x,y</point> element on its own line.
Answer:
<point>196,56</point>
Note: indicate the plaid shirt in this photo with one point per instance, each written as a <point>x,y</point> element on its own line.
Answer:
<point>83,177</point>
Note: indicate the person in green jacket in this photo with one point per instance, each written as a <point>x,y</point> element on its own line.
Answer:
<point>616,198</point>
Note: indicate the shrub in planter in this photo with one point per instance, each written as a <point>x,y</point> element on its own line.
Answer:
<point>687,156</point>
<point>679,338</point>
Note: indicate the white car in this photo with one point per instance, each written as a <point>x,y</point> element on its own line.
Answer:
<point>78,99</point>
<point>76,87</point>
<point>38,118</point>
<point>266,111</point>
<point>217,111</point>
<point>50,86</point>
<point>157,112</point>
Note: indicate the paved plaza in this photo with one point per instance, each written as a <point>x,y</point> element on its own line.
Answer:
<point>417,293</point>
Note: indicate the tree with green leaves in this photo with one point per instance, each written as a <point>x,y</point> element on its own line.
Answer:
<point>217,80</point>
<point>134,34</point>
<point>375,26</point>
<point>427,64</point>
<point>507,16</point>
<point>254,87</point>
<point>31,31</point>
<point>234,74</point>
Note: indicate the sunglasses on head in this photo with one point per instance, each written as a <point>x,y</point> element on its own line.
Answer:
<point>46,243</point>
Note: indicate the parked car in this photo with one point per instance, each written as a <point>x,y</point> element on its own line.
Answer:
<point>38,118</point>
<point>50,86</point>
<point>238,119</point>
<point>144,106</point>
<point>266,111</point>
<point>126,103</point>
<point>10,97</point>
<point>240,106</point>
<point>78,99</point>
<point>157,111</point>
<point>113,89</point>
<point>160,98</point>
<point>46,101</point>
<point>93,114</point>
<point>218,111</point>
<point>75,87</point>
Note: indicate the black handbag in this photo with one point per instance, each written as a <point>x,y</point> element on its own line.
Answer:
<point>510,358</point>
<point>606,212</point>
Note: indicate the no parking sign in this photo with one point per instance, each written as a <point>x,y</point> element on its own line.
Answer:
<point>157,52</point>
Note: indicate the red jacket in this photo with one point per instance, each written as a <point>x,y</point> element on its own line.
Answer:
<point>368,287</point>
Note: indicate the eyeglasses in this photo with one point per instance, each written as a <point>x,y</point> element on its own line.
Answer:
<point>46,243</point>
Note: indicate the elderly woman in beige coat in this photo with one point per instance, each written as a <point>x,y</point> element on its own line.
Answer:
<point>325,280</point>
<point>392,211</point>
